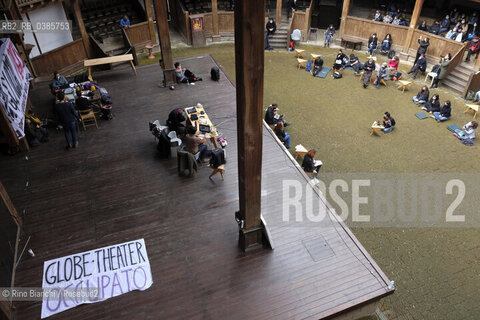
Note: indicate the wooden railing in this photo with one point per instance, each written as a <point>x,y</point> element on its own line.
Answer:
<point>129,44</point>
<point>139,33</point>
<point>439,46</point>
<point>181,19</point>
<point>60,58</point>
<point>96,48</point>
<point>301,21</point>
<point>23,3</point>
<point>457,58</point>
<point>473,83</point>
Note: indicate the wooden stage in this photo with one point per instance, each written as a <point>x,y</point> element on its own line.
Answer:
<point>114,188</point>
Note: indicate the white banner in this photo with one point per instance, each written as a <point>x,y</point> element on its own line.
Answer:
<point>94,276</point>
<point>14,78</point>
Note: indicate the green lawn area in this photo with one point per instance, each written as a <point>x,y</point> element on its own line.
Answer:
<point>436,270</point>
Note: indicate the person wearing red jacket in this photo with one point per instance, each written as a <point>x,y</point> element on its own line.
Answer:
<point>473,47</point>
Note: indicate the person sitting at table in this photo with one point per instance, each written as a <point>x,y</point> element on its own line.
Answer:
<point>272,116</point>
<point>309,166</point>
<point>59,82</point>
<point>35,133</point>
<point>372,44</point>
<point>467,132</point>
<point>317,66</point>
<point>339,61</point>
<point>388,122</point>
<point>433,105</point>
<point>81,103</point>
<point>176,117</point>
<point>422,96</point>
<point>184,75</point>
<point>125,22</point>
<point>444,113</point>
<point>368,68</point>
<point>420,65</point>
<point>283,136</point>
<point>271,27</point>
<point>355,64</point>
<point>387,43</point>
<point>195,144</point>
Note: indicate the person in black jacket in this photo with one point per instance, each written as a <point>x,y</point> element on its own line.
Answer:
<point>271,27</point>
<point>422,48</point>
<point>433,105</point>
<point>309,165</point>
<point>355,64</point>
<point>372,43</point>
<point>387,43</point>
<point>66,115</point>
<point>423,26</point>
<point>368,68</point>
<point>272,116</point>
<point>317,66</point>
<point>435,28</point>
<point>176,117</point>
<point>420,65</point>
<point>444,113</point>
<point>81,103</point>
<point>339,60</point>
<point>282,135</point>
<point>388,122</point>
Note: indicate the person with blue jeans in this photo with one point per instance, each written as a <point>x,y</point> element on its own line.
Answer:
<point>444,113</point>
<point>195,144</point>
<point>467,132</point>
<point>372,44</point>
<point>388,122</point>
<point>329,33</point>
<point>67,116</point>
<point>282,135</point>
<point>422,96</point>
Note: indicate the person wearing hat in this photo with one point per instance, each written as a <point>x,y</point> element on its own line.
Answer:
<point>473,47</point>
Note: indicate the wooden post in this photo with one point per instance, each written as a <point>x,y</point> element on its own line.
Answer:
<point>345,9</point>
<point>151,27</point>
<point>216,34</point>
<point>278,16</point>
<point>83,31</point>
<point>413,22</point>
<point>249,66</point>
<point>477,64</point>
<point>164,36</point>
<point>9,205</point>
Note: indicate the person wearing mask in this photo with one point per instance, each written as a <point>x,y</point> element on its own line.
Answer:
<point>445,24</point>
<point>271,27</point>
<point>355,64</point>
<point>339,60</point>
<point>372,44</point>
<point>452,33</point>
<point>467,132</point>
<point>387,43</point>
<point>378,16</point>
<point>420,65</point>
<point>283,136</point>
<point>444,63</point>
<point>422,96</point>
<point>66,115</point>
<point>387,18</point>
<point>383,74</point>
<point>309,165</point>
<point>422,47</point>
<point>317,66</point>
<point>329,33</point>
<point>474,31</point>
<point>435,28</point>
<point>393,64</point>
<point>388,122</point>
<point>473,47</point>
<point>368,68</point>
<point>433,105</point>
<point>444,113</point>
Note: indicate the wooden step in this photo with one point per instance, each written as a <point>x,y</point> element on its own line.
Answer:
<point>452,85</point>
<point>459,75</point>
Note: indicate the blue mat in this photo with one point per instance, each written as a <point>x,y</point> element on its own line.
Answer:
<point>324,72</point>
<point>350,68</point>
<point>309,66</point>
<point>453,128</point>
<point>421,115</point>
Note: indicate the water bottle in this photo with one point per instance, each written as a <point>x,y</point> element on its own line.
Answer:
<point>188,83</point>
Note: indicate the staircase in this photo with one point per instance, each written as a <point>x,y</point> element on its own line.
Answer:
<point>457,79</point>
<point>279,39</point>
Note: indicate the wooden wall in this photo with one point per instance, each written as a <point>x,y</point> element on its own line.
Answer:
<point>180,19</point>
<point>363,28</point>
<point>59,58</point>
<point>439,46</point>
<point>138,33</point>
<point>226,21</point>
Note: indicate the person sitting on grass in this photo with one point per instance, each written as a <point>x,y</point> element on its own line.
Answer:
<point>473,47</point>
<point>317,66</point>
<point>444,113</point>
<point>282,135</point>
<point>184,75</point>
<point>355,64</point>
<point>368,68</point>
<point>309,165</point>
<point>467,132</point>
<point>433,105</point>
<point>372,44</point>
<point>339,60</point>
<point>388,122</point>
<point>387,43</point>
<point>420,65</point>
<point>422,96</point>
<point>272,117</point>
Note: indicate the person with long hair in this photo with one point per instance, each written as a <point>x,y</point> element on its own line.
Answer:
<point>444,62</point>
<point>388,122</point>
<point>444,113</point>
<point>467,132</point>
<point>422,96</point>
<point>433,105</point>
<point>372,43</point>
<point>309,165</point>
<point>387,43</point>
<point>283,136</point>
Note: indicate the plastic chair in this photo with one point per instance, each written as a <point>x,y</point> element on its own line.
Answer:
<point>431,74</point>
<point>174,141</point>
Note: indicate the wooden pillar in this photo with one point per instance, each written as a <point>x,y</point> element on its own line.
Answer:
<point>9,205</point>
<point>249,66</point>
<point>413,22</point>
<point>151,27</point>
<point>164,36</point>
<point>83,31</point>
<point>477,64</point>
<point>345,9</point>
<point>278,16</point>
<point>216,33</point>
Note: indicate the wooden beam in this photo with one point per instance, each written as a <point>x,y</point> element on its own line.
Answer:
<point>216,33</point>
<point>164,36</point>
<point>9,205</point>
<point>477,64</point>
<point>345,9</point>
<point>278,16</point>
<point>249,66</point>
<point>413,22</point>
<point>151,27</point>
<point>81,25</point>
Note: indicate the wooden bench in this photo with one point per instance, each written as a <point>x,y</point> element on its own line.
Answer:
<point>351,40</point>
<point>95,62</point>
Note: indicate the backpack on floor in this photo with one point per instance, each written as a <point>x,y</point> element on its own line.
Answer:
<point>215,73</point>
<point>309,66</point>
<point>391,54</point>
<point>218,158</point>
<point>337,75</point>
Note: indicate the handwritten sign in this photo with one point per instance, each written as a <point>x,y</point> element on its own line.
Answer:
<point>94,276</point>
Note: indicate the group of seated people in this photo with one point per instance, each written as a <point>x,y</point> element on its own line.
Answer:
<point>274,119</point>
<point>385,45</point>
<point>395,17</point>
<point>432,105</point>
